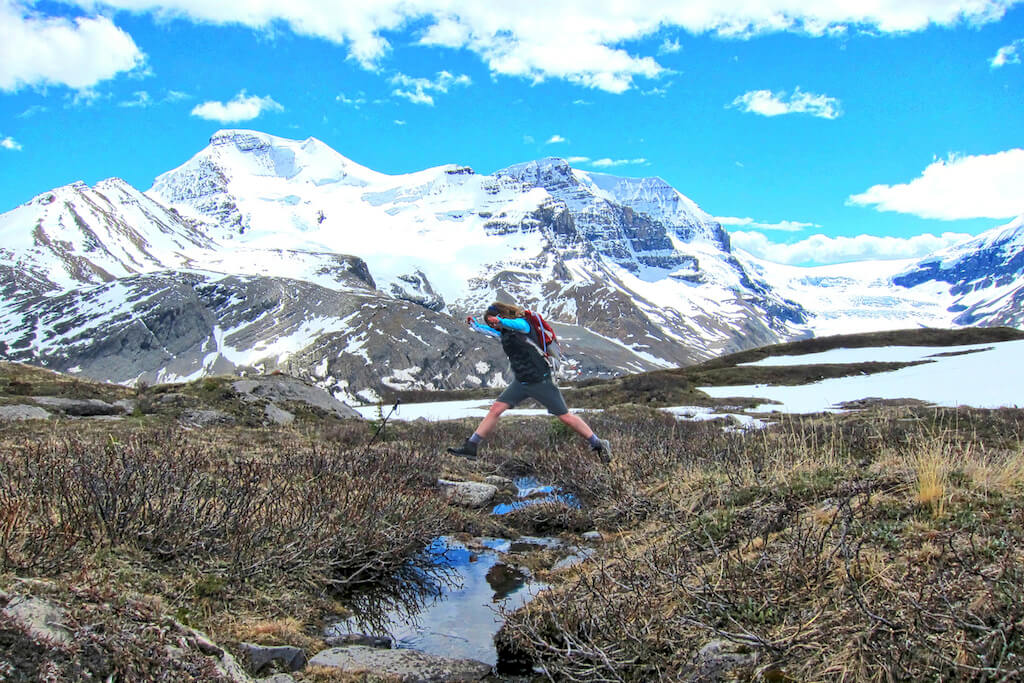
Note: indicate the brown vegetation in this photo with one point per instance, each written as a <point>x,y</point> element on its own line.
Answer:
<point>883,546</point>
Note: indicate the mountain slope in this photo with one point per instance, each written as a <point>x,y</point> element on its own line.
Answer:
<point>121,284</point>
<point>985,277</point>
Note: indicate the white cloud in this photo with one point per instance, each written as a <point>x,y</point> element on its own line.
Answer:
<point>176,96</point>
<point>982,186</point>
<point>32,111</point>
<point>399,122</point>
<point>573,40</point>
<point>669,47</point>
<point>578,160</point>
<point>1008,54</point>
<point>769,103</point>
<point>140,99</point>
<point>355,102</point>
<point>528,140</point>
<point>821,249</point>
<point>417,90</point>
<point>241,108</point>
<point>555,139</point>
<point>11,144</point>
<point>609,163</point>
<point>86,97</point>
<point>784,226</point>
<point>39,50</point>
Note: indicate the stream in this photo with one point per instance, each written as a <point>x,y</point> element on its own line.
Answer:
<point>462,618</point>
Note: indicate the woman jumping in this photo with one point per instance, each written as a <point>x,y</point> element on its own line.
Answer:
<point>532,380</point>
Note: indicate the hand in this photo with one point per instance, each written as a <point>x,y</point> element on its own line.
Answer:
<point>491,320</point>
<point>469,320</point>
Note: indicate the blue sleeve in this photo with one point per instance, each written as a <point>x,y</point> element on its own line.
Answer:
<point>484,329</point>
<point>517,324</point>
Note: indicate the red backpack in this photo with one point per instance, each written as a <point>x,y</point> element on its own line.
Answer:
<point>541,333</point>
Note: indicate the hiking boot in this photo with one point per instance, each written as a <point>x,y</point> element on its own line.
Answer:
<point>466,450</point>
<point>604,451</point>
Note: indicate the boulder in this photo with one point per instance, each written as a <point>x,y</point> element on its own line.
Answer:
<point>40,618</point>
<point>78,407</point>
<point>284,388</point>
<point>260,656</point>
<point>277,415</point>
<point>471,494</point>
<point>719,659</point>
<point>503,483</point>
<point>593,536</point>
<point>22,412</point>
<point>407,666</point>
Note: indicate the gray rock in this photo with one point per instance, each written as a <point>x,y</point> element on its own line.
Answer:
<point>469,494</point>
<point>408,666</point>
<point>276,678</point>
<point>259,656</point>
<point>223,661</point>
<point>22,412</point>
<point>206,418</point>
<point>127,405</point>
<point>358,639</point>
<point>501,482</point>
<point>39,617</point>
<point>572,560</point>
<point>715,660</point>
<point>278,415</point>
<point>78,407</point>
<point>593,536</point>
<point>285,388</point>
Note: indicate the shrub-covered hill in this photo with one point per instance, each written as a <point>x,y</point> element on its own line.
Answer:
<point>875,545</point>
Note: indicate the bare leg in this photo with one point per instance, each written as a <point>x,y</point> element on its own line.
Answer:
<point>489,422</point>
<point>577,424</point>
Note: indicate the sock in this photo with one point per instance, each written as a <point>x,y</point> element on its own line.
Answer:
<point>476,438</point>
<point>594,441</point>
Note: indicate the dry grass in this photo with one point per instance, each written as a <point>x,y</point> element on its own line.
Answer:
<point>880,546</point>
<point>874,547</point>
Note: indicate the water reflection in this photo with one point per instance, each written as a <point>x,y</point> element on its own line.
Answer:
<point>462,617</point>
<point>532,492</point>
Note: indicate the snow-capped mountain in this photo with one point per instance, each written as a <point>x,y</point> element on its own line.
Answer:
<point>263,252</point>
<point>983,276</point>
<point>977,282</point>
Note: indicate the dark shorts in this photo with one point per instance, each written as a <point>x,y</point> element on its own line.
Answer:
<point>545,393</point>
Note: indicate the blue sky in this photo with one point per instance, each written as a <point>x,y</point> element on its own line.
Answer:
<point>816,130</point>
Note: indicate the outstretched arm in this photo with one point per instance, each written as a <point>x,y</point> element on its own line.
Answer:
<point>483,329</point>
<point>517,324</point>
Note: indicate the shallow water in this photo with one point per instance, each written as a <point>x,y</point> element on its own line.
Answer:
<point>463,620</point>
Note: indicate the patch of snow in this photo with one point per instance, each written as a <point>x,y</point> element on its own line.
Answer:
<point>989,378</point>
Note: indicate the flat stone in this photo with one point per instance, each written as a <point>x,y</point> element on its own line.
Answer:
<point>22,412</point>
<point>471,494</point>
<point>407,666</point>
<point>500,482</point>
<point>41,618</point>
<point>276,678</point>
<point>593,536</point>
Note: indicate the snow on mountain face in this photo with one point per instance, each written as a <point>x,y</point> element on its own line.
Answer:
<point>283,253</point>
<point>76,234</point>
<point>983,278</point>
<point>538,233</point>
